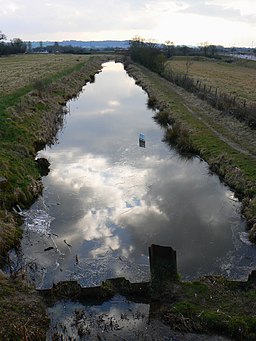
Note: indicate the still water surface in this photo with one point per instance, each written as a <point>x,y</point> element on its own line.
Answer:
<point>106,199</point>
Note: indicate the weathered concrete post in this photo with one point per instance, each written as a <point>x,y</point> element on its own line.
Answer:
<point>163,264</point>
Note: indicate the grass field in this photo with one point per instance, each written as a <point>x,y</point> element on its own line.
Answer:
<point>22,70</point>
<point>237,78</point>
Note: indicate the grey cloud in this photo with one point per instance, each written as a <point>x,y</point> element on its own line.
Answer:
<point>207,9</point>
<point>74,16</point>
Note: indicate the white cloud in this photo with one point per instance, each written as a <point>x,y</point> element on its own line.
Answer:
<point>114,103</point>
<point>230,10</point>
<point>73,16</point>
<point>8,9</point>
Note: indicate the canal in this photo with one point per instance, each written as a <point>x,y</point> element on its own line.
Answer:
<point>106,199</point>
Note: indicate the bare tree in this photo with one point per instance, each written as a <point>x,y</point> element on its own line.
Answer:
<point>204,47</point>
<point>2,36</point>
<point>169,48</point>
<point>18,45</point>
<point>213,50</point>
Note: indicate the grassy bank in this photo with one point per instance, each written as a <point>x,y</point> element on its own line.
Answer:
<point>30,117</point>
<point>211,304</point>
<point>191,125</point>
<point>22,313</point>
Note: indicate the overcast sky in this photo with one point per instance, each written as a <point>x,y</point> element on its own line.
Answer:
<point>225,22</point>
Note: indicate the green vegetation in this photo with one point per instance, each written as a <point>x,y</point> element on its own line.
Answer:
<point>163,118</point>
<point>22,313</point>
<point>15,46</point>
<point>147,54</point>
<point>212,304</point>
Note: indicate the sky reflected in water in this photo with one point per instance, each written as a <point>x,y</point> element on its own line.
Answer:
<point>107,200</point>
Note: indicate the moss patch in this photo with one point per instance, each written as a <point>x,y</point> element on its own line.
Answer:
<point>212,304</point>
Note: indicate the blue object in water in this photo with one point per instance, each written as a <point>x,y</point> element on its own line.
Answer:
<point>142,137</point>
<point>142,142</point>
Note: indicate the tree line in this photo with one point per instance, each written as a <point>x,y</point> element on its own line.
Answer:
<point>148,54</point>
<point>154,57</point>
<point>15,46</point>
<point>57,48</point>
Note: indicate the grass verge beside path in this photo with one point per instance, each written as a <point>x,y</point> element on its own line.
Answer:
<point>191,125</point>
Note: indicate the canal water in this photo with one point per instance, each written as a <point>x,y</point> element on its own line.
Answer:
<point>106,199</point>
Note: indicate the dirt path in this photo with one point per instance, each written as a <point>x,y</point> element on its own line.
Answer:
<point>223,138</point>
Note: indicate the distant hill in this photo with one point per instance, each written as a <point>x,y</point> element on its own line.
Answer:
<point>102,44</point>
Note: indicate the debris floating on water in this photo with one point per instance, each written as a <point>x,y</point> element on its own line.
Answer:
<point>49,248</point>
<point>67,243</point>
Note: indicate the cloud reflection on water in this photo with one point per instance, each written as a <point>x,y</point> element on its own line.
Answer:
<point>126,208</point>
<point>112,199</point>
